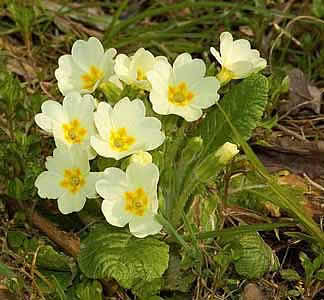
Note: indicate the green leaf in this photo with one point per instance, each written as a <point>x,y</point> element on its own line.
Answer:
<point>319,275</point>
<point>54,268</point>
<point>318,261</point>
<point>255,257</point>
<point>89,290</point>
<point>175,278</point>
<point>244,105</point>
<point>59,289</point>
<point>109,252</point>
<point>5,271</point>
<point>318,8</point>
<point>15,239</point>
<point>289,274</point>
<point>307,265</point>
<point>146,289</point>
<point>49,259</point>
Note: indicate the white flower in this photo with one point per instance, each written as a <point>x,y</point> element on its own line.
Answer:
<point>182,89</point>
<point>68,179</point>
<point>237,58</point>
<point>141,157</point>
<point>132,70</point>
<point>71,123</point>
<point>124,129</point>
<point>131,197</point>
<point>226,152</point>
<point>86,68</point>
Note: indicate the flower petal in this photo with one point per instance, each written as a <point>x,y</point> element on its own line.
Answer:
<point>241,69</point>
<point>144,226</point>
<point>112,176</point>
<point>128,112</point>
<point>68,75</point>
<point>115,213</point>
<point>181,60</point>
<point>51,113</point>
<point>145,176</point>
<point>44,122</point>
<point>206,92</point>
<point>102,118</point>
<point>87,53</point>
<point>216,54</point>
<point>149,133</point>
<point>226,46</point>
<point>190,72</point>
<point>48,185</point>
<point>190,113</point>
<point>69,202</point>
<point>90,186</point>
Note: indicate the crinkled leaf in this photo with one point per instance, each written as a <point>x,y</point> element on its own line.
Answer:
<point>244,105</point>
<point>147,289</point>
<point>175,278</point>
<point>49,259</point>
<point>89,290</point>
<point>289,274</point>
<point>109,252</point>
<point>255,257</point>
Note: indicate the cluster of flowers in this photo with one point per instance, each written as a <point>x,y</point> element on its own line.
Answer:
<point>83,128</point>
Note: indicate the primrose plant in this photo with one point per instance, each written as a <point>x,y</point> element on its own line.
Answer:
<point>124,130</point>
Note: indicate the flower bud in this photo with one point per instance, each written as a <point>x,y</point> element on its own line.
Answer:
<point>215,162</point>
<point>141,157</point>
<point>226,152</point>
<point>111,91</point>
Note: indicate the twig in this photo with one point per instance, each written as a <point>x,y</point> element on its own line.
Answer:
<point>313,183</point>
<point>296,135</point>
<point>70,243</point>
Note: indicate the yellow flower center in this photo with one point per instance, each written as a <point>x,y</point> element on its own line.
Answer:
<point>136,202</point>
<point>180,95</point>
<point>73,132</point>
<point>90,79</point>
<point>140,75</point>
<point>73,180</point>
<point>225,76</point>
<point>120,141</point>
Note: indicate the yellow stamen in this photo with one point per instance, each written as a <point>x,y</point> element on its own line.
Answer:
<point>136,202</point>
<point>90,79</point>
<point>179,95</point>
<point>140,75</point>
<point>73,180</point>
<point>73,132</point>
<point>120,141</point>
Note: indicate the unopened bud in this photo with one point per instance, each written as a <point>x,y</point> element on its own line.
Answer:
<point>111,91</point>
<point>215,162</point>
<point>141,157</point>
<point>284,87</point>
<point>226,152</point>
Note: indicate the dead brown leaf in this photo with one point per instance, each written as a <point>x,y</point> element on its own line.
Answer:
<point>301,95</point>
